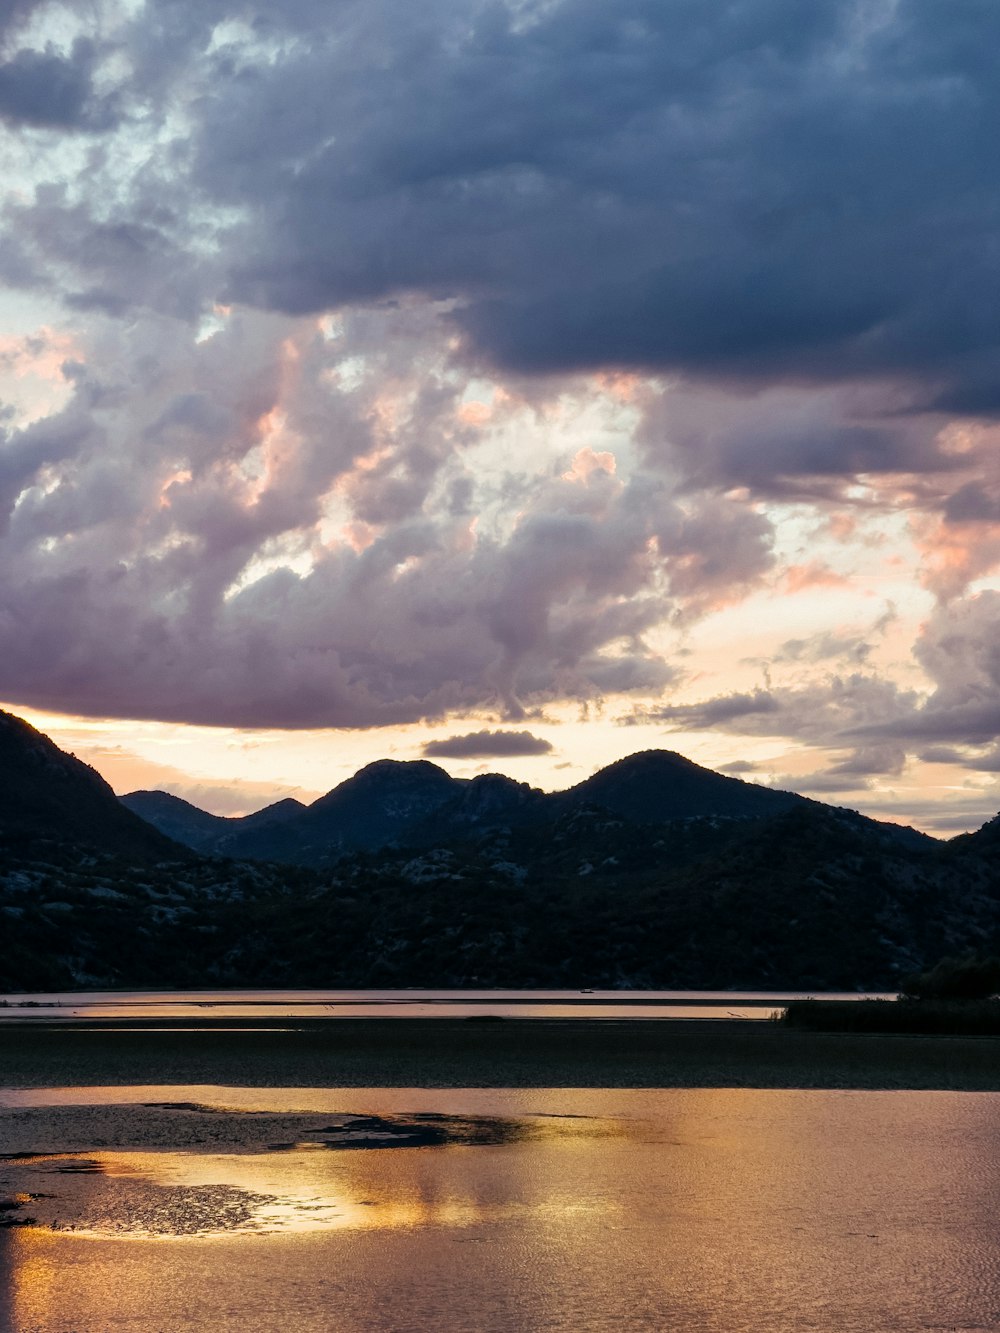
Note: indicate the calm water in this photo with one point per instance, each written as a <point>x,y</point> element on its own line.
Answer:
<point>704,1211</point>
<point>261,1004</point>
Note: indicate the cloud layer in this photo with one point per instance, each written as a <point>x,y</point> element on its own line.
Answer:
<point>393,362</point>
<point>762,189</point>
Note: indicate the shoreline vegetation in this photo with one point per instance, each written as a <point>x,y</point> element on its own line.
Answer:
<point>967,1018</point>
<point>457,1053</point>
<point>957,996</point>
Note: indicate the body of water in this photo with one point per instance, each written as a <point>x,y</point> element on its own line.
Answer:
<point>702,1211</point>
<point>270,1004</point>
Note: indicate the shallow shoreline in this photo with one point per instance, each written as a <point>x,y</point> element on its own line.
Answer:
<point>450,1053</point>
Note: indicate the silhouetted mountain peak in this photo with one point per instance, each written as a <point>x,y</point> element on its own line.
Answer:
<point>657,785</point>
<point>654,761</point>
<point>388,779</point>
<point>162,807</point>
<point>48,794</point>
<point>275,813</point>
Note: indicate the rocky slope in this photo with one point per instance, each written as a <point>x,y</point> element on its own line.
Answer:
<point>47,796</point>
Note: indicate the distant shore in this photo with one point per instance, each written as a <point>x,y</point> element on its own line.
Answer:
<point>442,1053</point>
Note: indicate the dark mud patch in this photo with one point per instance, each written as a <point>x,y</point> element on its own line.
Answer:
<point>84,1131</point>
<point>128,1207</point>
<point>141,1208</point>
<point>199,1107</point>
<point>79,1167</point>
<point>429,1130</point>
<point>561,1115</point>
<point>11,1206</point>
<point>100,1198</point>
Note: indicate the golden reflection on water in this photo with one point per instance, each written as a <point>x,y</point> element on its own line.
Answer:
<point>314,1189</point>
<point>721,1210</point>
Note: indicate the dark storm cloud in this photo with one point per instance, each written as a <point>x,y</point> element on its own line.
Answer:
<point>487,745</point>
<point>724,709</point>
<point>942,754</point>
<point>981,761</point>
<point>856,709</point>
<point>45,89</point>
<point>789,442</point>
<point>15,12</point>
<point>985,763</point>
<point>23,453</point>
<point>138,257</point>
<point>971,721</point>
<point>760,190</point>
<point>972,503</point>
<point>870,761</point>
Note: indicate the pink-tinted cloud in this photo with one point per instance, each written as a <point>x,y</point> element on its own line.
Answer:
<point>814,574</point>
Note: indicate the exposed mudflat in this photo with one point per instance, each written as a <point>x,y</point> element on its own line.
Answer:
<point>188,1127</point>
<point>109,1169</point>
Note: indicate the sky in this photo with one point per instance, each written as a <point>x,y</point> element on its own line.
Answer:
<point>513,383</point>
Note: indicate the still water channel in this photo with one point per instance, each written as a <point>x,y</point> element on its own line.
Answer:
<point>503,1211</point>
<point>590,1004</point>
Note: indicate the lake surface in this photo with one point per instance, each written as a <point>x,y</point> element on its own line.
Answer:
<point>274,1004</point>
<point>707,1211</point>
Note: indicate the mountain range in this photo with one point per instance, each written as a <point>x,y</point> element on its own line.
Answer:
<point>417,804</point>
<point>392,803</point>
<point>654,872</point>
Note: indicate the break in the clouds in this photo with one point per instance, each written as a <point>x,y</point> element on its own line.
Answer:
<point>487,744</point>
<point>379,362</point>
